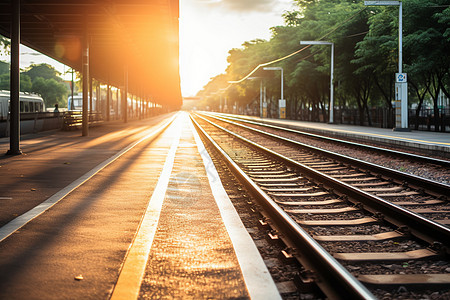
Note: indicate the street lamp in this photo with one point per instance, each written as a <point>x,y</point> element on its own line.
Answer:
<point>282,101</point>
<point>401,83</point>
<point>331,73</point>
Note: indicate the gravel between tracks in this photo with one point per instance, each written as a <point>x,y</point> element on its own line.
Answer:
<point>433,172</point>
<point>279,271</point>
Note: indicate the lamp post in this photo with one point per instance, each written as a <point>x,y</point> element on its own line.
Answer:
<point>282,101</point>
<point>331,73</point>
<point>401,84</point>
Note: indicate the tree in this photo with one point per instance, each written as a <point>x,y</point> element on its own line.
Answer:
<point>44,71</point>
<point>4,67</point>
<point>25,83</point>
<point>366,57</point>
<point>52,92</point>
<point>4,82</point>
<point>5,44</point>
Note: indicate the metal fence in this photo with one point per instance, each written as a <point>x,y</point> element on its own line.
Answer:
<point>382,117</point>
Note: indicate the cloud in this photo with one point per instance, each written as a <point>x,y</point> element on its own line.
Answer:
<point>250,5</point>
<point>242,5</point>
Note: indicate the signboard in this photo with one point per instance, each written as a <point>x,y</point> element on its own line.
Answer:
<point>282,108</point>
<point>264,113</point>
<point>401,77</point>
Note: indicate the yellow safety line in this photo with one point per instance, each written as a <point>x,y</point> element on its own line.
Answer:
<point>258,281</point>
<point>133,269</point>
<point>20,221</point>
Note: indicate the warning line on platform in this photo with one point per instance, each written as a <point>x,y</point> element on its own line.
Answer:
<point>132,272</point>
<point>258,280</point>
<point>22,220</point>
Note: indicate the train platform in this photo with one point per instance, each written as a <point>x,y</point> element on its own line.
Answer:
<point>126,213</point>
<point>426,141</point>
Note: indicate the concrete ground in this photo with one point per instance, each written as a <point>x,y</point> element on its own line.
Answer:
<point>81,246</point>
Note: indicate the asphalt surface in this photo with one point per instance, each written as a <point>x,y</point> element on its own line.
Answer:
<point>76,248</point>
<point>81,247</point>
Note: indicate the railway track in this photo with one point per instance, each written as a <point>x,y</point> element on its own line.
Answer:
<point>418,194</point>
<point>301,135</point>
<point>342,222</point>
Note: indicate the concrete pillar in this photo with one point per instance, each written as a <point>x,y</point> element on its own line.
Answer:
<point>117,105</point>
<point>14,120</point>
<point>123,98</point>
<point>91,94</point>
<point>125,92</point>
<point>108,102</point>
<point>85,71</point>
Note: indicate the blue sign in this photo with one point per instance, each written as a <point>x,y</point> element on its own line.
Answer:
<point>400,77</point>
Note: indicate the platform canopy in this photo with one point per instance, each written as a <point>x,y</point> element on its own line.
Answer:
<point>139,35</point>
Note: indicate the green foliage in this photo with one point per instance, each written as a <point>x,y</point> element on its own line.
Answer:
<point>444,18</point>
<point>4,81</point>
<point>366,55</point>
<point>51,91</point>
<point>5,44</point>
<point>4,67</point>
<point>42,79</point>
<point>44,71</point>
<point>25,82</point>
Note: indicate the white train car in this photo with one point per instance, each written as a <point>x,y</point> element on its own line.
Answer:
<point>76,103</point>
<point>33,117</point>
<point>29,103</point>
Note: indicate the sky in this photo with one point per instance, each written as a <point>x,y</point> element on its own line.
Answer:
<point>208,30</point>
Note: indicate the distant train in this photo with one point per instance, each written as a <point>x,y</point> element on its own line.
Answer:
<point>76,103</point>
<point>29,103</point>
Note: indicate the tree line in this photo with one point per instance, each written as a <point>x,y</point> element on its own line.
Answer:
<point>40,79</point>
<point>366,58</point>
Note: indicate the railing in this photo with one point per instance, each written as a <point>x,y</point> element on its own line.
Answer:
<point>384,118</point>
<point>33,122</point>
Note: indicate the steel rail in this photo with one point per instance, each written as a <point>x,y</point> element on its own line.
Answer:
<point>334,280</point>
<point>436,161</point>
<point>418,225</point>
<point>427,184</point>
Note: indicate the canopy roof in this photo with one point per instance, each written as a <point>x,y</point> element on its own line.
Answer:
<point>139,35</point>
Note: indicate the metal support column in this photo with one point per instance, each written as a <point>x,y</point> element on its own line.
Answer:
<point>260,98</point>
<point>145,107</point>
<point>125,98</point>
<point>72,86</point>
<point>15,81</point>
<point>14,119</point>
<point>108,102</point>
<point>85,54</point>
<point>117,105</point>
<point>139,102</point>
<point>91,94</point>
<point>98,99</point>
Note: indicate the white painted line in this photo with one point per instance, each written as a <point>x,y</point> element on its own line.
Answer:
<point>258,280</point>
<point>5,198</point>
<point>133,269</point>
<point>23,219</point>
